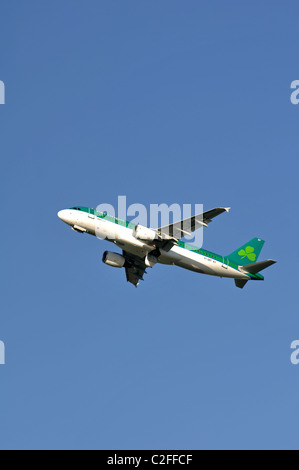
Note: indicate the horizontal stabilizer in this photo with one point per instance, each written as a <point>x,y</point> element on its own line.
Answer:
<point>257,267</point>
<point>240,283</point>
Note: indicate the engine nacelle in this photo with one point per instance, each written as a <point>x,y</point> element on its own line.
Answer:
<point>144,234</point>
<point>113,259</point>
<point>150,261</point>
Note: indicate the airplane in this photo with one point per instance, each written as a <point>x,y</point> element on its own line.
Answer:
<point>143,247</point>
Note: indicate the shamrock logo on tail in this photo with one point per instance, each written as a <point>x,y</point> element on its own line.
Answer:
<point>248,252</point>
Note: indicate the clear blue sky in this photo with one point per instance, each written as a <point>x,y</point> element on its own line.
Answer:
<point>169,101</point>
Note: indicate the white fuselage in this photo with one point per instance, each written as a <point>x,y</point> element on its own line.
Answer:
<point>123,237</point>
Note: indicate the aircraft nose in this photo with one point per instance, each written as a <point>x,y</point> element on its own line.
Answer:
<point>62,215</point>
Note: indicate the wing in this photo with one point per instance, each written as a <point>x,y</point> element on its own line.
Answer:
<point>185,227</point>
<point>135,268</point>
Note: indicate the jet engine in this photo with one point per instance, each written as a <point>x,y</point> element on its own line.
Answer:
<point>150,261</point>
<point>144,234</point>
<point>113,259</point>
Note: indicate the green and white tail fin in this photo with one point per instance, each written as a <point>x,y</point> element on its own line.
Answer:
<point>246,258</point>
<point>248,253</point>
